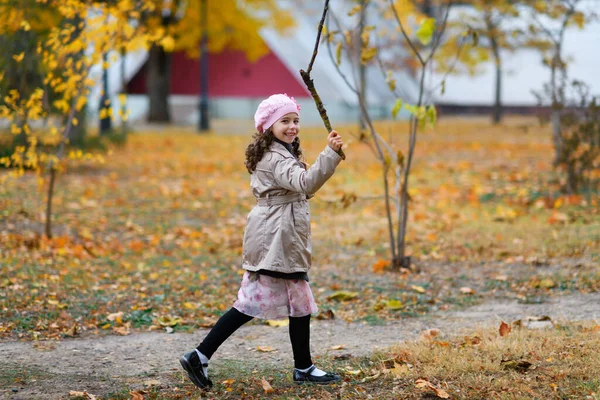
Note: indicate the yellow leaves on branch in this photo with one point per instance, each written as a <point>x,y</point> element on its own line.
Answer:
<point>426,31</point>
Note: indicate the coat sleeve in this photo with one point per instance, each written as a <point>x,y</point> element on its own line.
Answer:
<point>290,175</point>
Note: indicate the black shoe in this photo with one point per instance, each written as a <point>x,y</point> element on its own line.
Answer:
<point>306,377</point>
<point>192,365</point>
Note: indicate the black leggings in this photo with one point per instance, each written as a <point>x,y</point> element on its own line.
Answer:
<point>232,320</point>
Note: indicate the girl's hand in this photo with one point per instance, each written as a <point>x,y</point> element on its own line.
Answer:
<point>335,141</point>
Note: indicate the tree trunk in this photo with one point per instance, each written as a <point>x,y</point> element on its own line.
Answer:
<point>497,112</point>
<point>158,84</point>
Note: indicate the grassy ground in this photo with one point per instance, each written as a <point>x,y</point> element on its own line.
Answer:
<point>556,363</point>
<point>153,237</point>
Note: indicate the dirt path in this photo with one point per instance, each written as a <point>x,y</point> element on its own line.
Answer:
<point>104,365</point>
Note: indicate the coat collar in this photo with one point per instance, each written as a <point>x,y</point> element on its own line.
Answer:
<point>281,149</point>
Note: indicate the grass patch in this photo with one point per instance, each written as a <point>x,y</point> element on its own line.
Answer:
<point>560,362</point>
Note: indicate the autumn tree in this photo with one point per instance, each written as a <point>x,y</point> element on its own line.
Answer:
<point>45,110</point>
<point>421,36</point>
<point>550,21</point>
<point>176,25</point>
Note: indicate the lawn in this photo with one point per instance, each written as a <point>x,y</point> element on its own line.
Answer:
<point>151,239</point>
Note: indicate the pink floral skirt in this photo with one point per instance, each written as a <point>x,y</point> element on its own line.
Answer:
<point>265,297</point>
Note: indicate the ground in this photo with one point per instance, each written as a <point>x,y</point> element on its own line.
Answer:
<point>150,242</point>
<point>113,364</point>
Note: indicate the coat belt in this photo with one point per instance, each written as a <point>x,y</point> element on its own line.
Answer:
<point>277,200</point>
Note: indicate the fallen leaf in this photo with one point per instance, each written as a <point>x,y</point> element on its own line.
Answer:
<point>122,330</point>
<point>371,377</point>
<point>429,334</point>
<point>338,347</point>
<point>265,349</point>
<point>85,395</point>
<point>547,283</point>
<point>136,396</point>
<point>228,382</point>
<point>441,393</point>
<point>394,304</point>
<point>418,289</point>
<point>267,386</point>
<point>517,365</point>
<point>351,371</point>
<point>343,296</point>
<point>504,329</point>
<point>398,370</point>
<point>152,382</point>
<point>381,265</point>
<point>327,314</point>
<point>275,323</point>
<point>341,357</point>
<point>117,317</point>
<point>167,320</point>
<point>466,290</point>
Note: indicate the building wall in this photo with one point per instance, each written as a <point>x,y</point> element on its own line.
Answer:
<point>230,75</point>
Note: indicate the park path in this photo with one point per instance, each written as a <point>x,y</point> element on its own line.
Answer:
<point>101,365</point>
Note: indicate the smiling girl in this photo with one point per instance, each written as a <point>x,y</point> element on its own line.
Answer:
<point>277,245</point>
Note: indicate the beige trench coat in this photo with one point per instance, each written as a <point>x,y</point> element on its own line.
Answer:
<point>277,235</point>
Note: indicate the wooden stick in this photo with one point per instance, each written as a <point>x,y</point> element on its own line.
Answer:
<point>310,84</point>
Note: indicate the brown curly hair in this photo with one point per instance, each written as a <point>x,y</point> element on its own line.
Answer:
<point>260,145</point>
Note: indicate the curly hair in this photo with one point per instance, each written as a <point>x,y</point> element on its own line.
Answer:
<point>260,145</point>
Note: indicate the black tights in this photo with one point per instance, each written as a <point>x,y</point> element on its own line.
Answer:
<point>232,320</point>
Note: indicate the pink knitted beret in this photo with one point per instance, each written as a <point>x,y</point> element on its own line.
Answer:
<point>273,108</point>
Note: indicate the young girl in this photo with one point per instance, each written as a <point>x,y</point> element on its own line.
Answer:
<point>277,241</point>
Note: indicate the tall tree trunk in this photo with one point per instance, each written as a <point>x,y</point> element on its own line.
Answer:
<point>556,109</point>
<point>158,84</point>
<point>497,112</point>
<point>362,69</point>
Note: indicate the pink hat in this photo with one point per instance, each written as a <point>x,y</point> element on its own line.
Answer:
<point>273,108</point>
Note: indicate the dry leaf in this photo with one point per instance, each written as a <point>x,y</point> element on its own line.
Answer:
<point>152,382</point>
<point>517,365</point>
<point>441,393</point>
<point>429,334</point>
<point>228,382</point>
<point>136,396</point>
<point>338,347</point>
<point>466,290</point>
<point>328,314</point>
<point>418,289</point>
<point>398,370</point>
<point>265,349</point>
<point>85,395</point>
<point>266,386</point>
<point>504,329</point>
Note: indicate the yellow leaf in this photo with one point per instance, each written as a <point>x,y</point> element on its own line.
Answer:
<point>166,320</point>
<point>547,283</point>
<point>343,296</point>
<point>397,107</point>
<point>417,289</point>
<point>338,347</point>
<point>265,349</point>
<point>426,30</point>
<point>354,10</point>
<point>394,304</point>
<point>284,322</point>
<point>367,54</point>
<point>338,53</point>
<point>19,57</point>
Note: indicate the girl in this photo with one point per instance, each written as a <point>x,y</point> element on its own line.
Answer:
<point>277,242</point>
